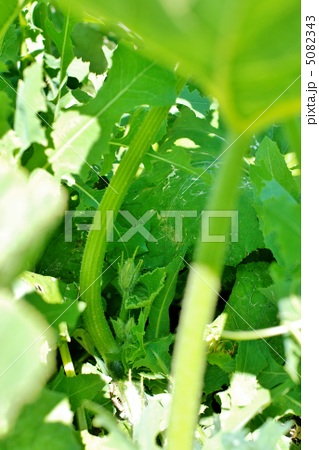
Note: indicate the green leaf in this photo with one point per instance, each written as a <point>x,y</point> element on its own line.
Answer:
<point>57,301</point>
<point>159,323</point>
<point>250,237</point>
<point>270,435</point>
<point>130,336</point>
<point>276,202</point>
<point>277,205</point>
<point>52,290</point>
<point>242,401</point>
<point>247,308</point>
<point>222,360</point>
<point>47,423</point>
<point>250,358</point>
<point>9,148</point>
<point>146,289</point>
<point>29,209</point>
<point>117,438</point>
<point>81,136</point>
<point>273,374</point>
<point>200,137</point>
<point>30,101</point>
<point>270,165</point>
<point>171,183</point>
<point>285,399</point>
<point>5,113</point>
<point>80,388</point>
<point>9,11</point>
<point>62,40</point>
<point>249,54</point>
<point>215,379</point>
<point>9,48</point>
<point>158,357</point>
<point>284,393</point>
<point>289,312</point>
<point>51,263</point>
<point>151,423</point>
<point>88,42</point>
<point>26,360</point>
<point>7,87</point>
<point>199,104</point>
<point>280,219</point>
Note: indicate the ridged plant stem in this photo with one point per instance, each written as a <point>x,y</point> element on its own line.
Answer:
<point>95,248</point>
<point>198,307</point>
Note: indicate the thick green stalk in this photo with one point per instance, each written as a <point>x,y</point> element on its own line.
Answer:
<point>93,257</point>
<point>198,307</point>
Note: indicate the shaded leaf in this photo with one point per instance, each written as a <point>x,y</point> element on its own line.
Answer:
<point>250,358</point>
<point>88,42</point>
<point>158,357</point>
<point>215,378</point>
<point>5,112</point>
<point>80,388</point>
<point>146,289</point>
<point>159,322</point>
<point>9,48</point>
<point>247,308</point>
<point>222,360</point>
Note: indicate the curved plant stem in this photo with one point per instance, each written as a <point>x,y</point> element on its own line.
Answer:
<point>198,307</point>
<point>93,257</point>
<point>263,333</point>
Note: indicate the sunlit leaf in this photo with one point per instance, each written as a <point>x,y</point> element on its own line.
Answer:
<point>26,360</point>
<point>29,209</point>
<point>30,101</point>
<point>81,135</point>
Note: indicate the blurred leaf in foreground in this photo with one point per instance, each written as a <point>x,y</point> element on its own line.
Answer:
<point>30,101</point>
<point>244,53</point>
<point>29,209</point>
<point>26,361</point>
<point>46,423</point>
